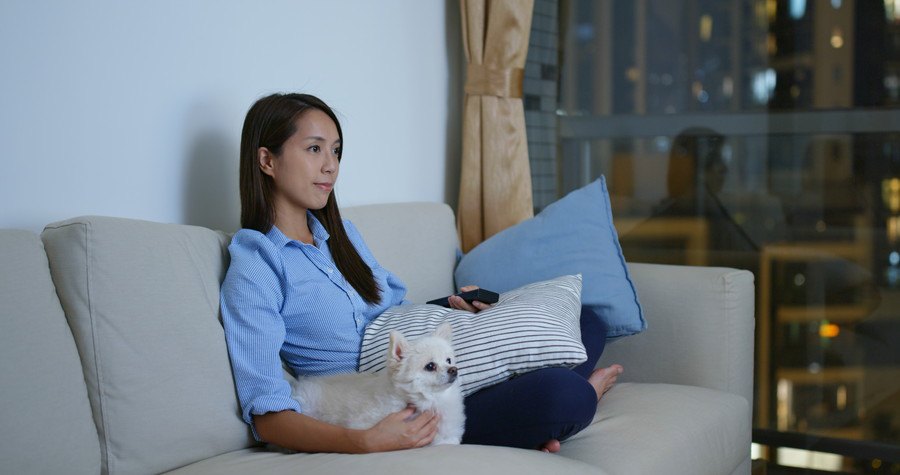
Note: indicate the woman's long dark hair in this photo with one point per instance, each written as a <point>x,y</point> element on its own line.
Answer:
<point>269,123</point>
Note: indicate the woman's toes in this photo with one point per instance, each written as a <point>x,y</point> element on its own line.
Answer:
<point>604,378</point>
<point>551,446</point>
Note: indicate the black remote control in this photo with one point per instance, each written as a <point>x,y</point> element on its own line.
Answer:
<point>481,295</point>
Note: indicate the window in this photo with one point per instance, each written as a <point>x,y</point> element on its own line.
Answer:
<point>757,134</point>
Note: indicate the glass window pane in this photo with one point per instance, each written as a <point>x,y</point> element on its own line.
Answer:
<point>762,135</point>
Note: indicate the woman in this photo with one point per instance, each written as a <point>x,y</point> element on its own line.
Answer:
<point>302,285</point>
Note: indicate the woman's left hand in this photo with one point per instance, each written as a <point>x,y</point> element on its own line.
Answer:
<point>460,304</point>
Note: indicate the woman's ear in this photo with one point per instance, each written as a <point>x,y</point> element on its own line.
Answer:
<point>265,158</point>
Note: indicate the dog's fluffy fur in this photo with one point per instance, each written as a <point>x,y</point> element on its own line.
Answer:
<point>419,373</point>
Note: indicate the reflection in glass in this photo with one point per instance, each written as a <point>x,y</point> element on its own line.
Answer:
<point>699,113</point>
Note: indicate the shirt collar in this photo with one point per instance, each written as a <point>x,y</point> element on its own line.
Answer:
<point>318,231</point>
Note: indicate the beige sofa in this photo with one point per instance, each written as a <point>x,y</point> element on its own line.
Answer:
<point>113,360</point>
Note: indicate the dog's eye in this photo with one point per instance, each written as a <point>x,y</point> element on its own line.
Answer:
<point>430,367</point>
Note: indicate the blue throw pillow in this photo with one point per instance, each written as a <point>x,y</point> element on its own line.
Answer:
<point>574,235</point>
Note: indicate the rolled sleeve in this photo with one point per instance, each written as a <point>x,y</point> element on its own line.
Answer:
<point>251,298</point>
<point>397,290</point>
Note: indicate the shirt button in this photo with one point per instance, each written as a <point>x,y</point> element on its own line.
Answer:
<point>330,270</point>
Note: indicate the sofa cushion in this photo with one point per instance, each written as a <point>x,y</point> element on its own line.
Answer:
<point>43,387</point>
<point>434,460</point>
<point>534,326</point>
<point>639,428</point>
<point>574,235</point>
<point>665,428</point>
<point>143,302</point>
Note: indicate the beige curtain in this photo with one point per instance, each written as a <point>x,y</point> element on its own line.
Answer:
<point>495,180</point>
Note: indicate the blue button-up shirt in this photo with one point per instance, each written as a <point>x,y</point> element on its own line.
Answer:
<point>286,300</point>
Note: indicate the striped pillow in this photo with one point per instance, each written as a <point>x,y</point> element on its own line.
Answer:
<point>534,326</point>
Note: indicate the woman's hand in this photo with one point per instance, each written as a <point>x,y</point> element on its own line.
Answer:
<point>460,304</point>
<point>401,430</point>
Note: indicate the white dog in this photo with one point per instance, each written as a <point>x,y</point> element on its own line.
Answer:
<point>421,373</point>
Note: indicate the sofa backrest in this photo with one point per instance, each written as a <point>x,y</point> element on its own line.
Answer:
<point>416,241</point>
<point>47,424</point>
<point>142,301</point>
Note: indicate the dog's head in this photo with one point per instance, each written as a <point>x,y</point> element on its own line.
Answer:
<point>424,366</point>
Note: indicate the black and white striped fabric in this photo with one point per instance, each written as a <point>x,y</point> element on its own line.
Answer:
<point>534,326</point>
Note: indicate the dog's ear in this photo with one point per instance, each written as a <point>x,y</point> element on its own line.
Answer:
<point>397,346</point>
<point>445,331</point>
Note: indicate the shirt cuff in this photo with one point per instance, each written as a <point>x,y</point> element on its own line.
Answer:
<point>266,404</point>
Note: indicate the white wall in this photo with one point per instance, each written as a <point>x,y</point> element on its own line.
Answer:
<point>134,109</point>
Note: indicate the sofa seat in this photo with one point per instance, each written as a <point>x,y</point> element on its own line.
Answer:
<point>702,421</point>
<point>441,459</point>
<point>643,428</point>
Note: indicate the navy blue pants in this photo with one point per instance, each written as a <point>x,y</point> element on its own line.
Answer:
<point>549,403</point>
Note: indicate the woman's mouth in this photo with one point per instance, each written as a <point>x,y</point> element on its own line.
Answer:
<point>327,187</point>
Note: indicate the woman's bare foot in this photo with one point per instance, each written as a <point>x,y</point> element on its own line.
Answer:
<point>602,379</point>
<point>551,446</point>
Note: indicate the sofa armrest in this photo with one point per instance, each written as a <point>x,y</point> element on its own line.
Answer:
<point>700,329</point>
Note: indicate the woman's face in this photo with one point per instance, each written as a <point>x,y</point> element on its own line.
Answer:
<point>715,175</point>
<point>305,171</point>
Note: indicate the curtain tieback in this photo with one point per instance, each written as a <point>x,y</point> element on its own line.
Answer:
<point>483,80</point>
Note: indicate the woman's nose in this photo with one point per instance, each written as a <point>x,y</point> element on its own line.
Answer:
<point>331,164</point>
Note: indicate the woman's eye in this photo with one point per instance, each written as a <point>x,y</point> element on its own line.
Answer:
<point>430,367</point>
<point>314,148</point>
<point>337,152</point>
